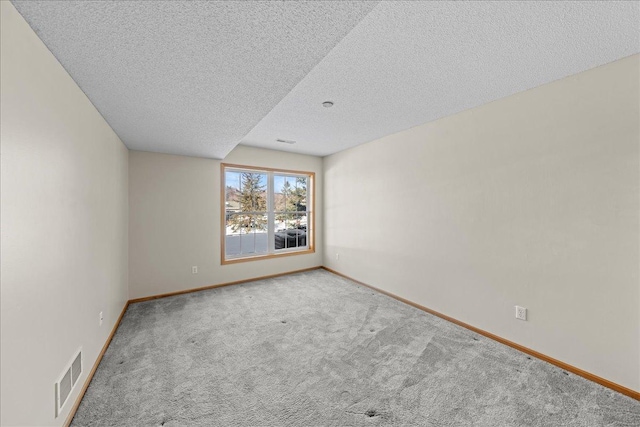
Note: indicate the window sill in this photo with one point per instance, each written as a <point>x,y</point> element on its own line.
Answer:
<point>267,256</point>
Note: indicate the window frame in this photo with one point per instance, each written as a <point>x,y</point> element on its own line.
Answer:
<point>271,212</point>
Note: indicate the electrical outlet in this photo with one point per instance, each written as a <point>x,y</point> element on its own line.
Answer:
<point>101,318</point>
<point>521,313</point>
<point>194,269</point>
<point>337,255</point>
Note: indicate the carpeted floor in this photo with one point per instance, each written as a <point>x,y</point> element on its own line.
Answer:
<point>314,349</point>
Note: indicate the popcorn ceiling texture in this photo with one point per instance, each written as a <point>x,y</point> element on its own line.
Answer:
<point>188,78</point>
<point>408,63</point>
<point>314,349</point>
<point>196,78</point>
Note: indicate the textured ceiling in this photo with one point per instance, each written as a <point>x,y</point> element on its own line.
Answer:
<point>185,77</point>
<point>196,78</point>
<point>408,63</point>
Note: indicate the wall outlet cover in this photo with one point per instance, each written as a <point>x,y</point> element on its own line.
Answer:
<point>521,313</point>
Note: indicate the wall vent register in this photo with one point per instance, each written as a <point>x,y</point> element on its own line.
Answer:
<point>67,381</point>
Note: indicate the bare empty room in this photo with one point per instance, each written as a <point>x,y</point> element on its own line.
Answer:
<point>320,213</point>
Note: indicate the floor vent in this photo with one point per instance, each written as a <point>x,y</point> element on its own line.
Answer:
<point>66,383</point>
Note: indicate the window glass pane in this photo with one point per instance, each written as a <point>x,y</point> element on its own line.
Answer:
<point>246,234</point>
<point>301,221</point>
<point>279,193</point>
<point>291,231</point>
<point>232,235</point>
<point>290,193</point>
<point>281,219</point>
<point>232,192</point>
<point>301,193</point>
<point>300,228</point>
<point>291,238</point>
<point>292,197</point>
<point>252,195</point>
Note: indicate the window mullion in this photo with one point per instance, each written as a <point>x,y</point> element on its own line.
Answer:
<point>308,203</point>
<point>270,214</point>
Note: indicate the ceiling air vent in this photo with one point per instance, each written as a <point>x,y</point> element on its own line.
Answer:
<point>285,141</point>
<point>68,380</point>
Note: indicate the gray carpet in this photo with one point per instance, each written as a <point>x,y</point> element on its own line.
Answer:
<point>314,349</point>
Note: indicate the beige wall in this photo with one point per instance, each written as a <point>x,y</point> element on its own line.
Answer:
<point>530,200</point>
<point>64,226</point>
<point>174,217</point>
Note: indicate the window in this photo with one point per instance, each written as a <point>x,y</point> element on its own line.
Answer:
<point>266,213</point>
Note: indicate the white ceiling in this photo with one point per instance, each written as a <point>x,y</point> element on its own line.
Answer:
<point>408,63</point>
<point>197,78</point>
<point>183,77</point>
